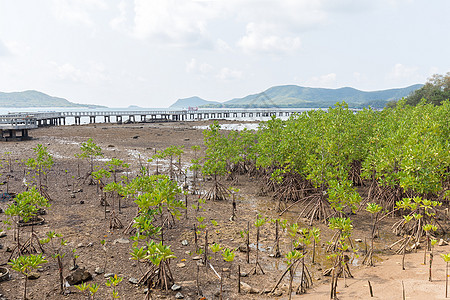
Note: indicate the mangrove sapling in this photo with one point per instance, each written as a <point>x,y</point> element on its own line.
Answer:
<point>89,151</point>
<point>57,253</point>
<point>195,167</point>
<point>374,209</point>
<point>215,162</point>
<point>260,221</point>
<point>98,176</point>
<point>338,245</point>
<point>307,237</point>
<point>215,248</point>
<point>432,243</point>
<point>427,228</point>
<point>159,274</point>
<point>276,247</point>
<point>292,258</point>
<point>23,210</point>
<point>41,164</point>
<point>228,256</point>
<point>446,258</point>
<point>138,254</point>
<point>74,259</point>
<point>113,282</point>
<point>234,191</point>
<point>25,264</point>
<point>418,212</point>
<point>117,191</point>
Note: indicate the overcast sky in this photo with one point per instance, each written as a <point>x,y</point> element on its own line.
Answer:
<point>152,52</point>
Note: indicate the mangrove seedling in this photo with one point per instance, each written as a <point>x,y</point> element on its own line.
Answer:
<point>446,258</point>
<point>113,282</point>
<point>57,253</point>
<point>25,264</point>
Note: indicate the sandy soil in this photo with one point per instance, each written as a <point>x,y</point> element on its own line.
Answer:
<point>81,220</point>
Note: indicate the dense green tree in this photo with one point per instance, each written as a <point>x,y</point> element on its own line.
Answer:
<point>435,90</point>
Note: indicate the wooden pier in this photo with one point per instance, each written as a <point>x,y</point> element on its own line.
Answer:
<point>15,126</point>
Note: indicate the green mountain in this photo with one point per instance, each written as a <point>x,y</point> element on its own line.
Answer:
<point>192,102</point>
<point>37,99</point>
<point>304,97</point>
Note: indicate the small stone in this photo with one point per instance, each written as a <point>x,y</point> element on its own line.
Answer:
<point>99,270</point>
<point>226,270</point>
<point>67,292</point>
<point>80,245</point>
<point>243,248</point>
<point>358,240</point>
<point>78,276</point>
<point>278,293</point>
<point>133,280</point>
<point>40,270</point>
<point>243,274</point>
<point>181,265</point>
<point>2,234</point>
<point>72,195</point>
<point>175,287</point>
<point>107,275</point>
<point>179,296</point>
<point>90,244</point>
<point>196,258</point>
<point>184,243</point>
<point>121,241</point>
<point>33,276</point>
<point>246,288</point>
<point>80,191</point>
<point>145,290</point>
<point>442,242</point>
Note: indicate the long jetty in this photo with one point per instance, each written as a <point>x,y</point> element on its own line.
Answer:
<point>15,126</point>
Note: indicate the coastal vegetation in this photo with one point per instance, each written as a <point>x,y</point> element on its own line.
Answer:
<point>326,167</point>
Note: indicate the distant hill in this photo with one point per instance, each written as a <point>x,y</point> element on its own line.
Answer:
<point>37,99</point>
<point>304,97</point>
<point>192,102</point>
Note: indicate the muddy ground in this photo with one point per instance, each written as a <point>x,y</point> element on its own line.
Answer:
<point>76,213</point>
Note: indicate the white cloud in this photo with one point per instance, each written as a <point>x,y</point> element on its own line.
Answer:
<point>176,22</point>
<point>400,72</point>
<point>262,38</point>
<point>327,80</point>
<point>77,11</point>
<point>120,20</point>
<point>223,46</point>
<point>229,74</point>
<point>95,73</point>
<point>3,49</point>
<point>194,67</point>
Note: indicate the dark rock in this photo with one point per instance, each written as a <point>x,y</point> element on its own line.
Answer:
<point>33,276</point>
<point>78,276</point>
<point>243,248</point>
<point>133,280</point>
